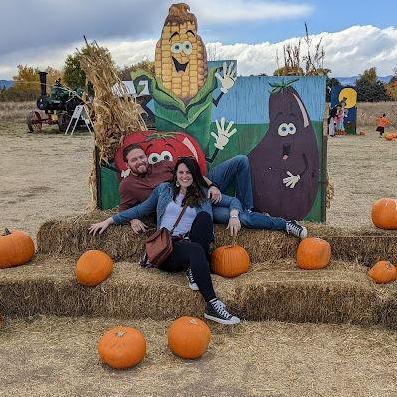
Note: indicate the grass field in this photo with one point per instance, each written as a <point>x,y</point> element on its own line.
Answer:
<point>46,176</point>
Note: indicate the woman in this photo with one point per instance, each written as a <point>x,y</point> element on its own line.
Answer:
<point>193,234</point>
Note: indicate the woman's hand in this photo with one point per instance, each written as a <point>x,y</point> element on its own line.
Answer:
<point>214,194</point>
<point>100,227</point>
<point>234,226</point>
<point>138,226</point>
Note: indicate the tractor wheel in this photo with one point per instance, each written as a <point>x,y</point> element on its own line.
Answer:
<point>63,121</point>
<point>34,121</point>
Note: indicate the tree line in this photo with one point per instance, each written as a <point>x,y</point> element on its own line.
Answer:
<point>26,85</point>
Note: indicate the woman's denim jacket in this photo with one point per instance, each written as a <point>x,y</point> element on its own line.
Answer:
<point>161,197</point>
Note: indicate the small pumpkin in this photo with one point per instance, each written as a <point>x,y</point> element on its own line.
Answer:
<point>230,261</point>
<point>188,337</point>
<point>313,253</point>
<point>383,272</point>
<point>122,347</point>
<point>16,248</point>
<point>384,213</point>
<point>93,267</point>
<point>389,136</point>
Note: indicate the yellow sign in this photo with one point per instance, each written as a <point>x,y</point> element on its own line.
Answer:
<point>349,95</point>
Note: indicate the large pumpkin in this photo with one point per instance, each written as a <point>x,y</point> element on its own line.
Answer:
<point>162,146</point>
<point>188,337</point>
<point>230,261</point>
<point>383,272</point>
<point>122,347</point>
<point>384,213</point>
<point>313,253</point>
<point>93,267</point>
<point>16,248</point>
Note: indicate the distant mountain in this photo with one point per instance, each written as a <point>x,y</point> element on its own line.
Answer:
<point>6,84</point>
<point>352,80</point>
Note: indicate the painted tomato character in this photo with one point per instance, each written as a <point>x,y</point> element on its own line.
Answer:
<point>162,146</point>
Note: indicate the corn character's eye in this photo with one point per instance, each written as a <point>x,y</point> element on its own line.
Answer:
<point>154,158</point>
<point>187,47</point>
<point>176,48</point>
<point>283,129</point>
<point>166,155</point>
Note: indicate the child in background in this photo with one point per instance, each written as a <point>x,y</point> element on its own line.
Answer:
<point>382,122</point>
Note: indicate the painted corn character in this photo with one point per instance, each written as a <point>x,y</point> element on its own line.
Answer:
<point>182,88</point>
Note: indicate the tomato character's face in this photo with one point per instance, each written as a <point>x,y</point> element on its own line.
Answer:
<point>162,146</point>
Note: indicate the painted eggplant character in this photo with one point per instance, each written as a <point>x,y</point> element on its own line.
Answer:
<point>285,165</point>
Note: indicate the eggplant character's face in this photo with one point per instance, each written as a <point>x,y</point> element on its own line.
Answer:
<point>285,129</point>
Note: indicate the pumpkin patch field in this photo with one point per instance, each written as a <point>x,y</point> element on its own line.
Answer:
<point>327,328</point>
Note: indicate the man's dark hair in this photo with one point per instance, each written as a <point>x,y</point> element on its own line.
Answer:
<point>128,148</point>
<point>384,115</point>
<point>195,192</point>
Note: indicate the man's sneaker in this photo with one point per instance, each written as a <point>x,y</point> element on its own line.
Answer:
<point>292,227</point>
<point>192,284</point>
<point>216,311</point>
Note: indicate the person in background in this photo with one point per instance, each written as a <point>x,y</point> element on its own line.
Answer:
<point>382,123</point>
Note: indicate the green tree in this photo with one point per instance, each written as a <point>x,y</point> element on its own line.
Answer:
<point>125,71</point>
<point>73,76</point>
<point>369,88</point>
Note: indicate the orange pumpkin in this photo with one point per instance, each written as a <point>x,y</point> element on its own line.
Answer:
<point>230,261</point>
<point>384,213</point>
<point>383,272</point>
<point>93,267</point>
<point>313,253</point>
<point>389,136</point>
<point>16,248</point>
<point>188,337</point>
<point>122,347</point>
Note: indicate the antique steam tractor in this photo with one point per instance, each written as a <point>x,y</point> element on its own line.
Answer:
<point>56,108</point>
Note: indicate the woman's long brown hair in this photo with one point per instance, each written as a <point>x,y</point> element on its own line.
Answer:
<point>195,194</point>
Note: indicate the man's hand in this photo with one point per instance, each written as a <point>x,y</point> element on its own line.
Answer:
<point>138,226</point>
<point>214,194</point>
<point>229,77</point>
<point>291,180</point>
<point>234,225</point>
<point>224,134</point>
<point>100,227</point>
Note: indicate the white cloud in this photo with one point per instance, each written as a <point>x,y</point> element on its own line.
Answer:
<point>348,53</point>
<point>224,11</point>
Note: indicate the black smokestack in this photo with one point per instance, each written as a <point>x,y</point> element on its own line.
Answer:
<point>43,83</point>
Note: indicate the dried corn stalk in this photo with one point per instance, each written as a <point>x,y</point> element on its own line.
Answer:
<point>115,115</point>
<point>329,193</point>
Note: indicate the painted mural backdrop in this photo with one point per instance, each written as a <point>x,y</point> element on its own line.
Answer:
<point>344,105</point>
<point>202,109</point>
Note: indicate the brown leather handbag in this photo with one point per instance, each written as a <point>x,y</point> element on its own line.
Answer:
<point>159,245</point>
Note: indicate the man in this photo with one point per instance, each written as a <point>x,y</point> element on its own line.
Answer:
<point>144,177</point>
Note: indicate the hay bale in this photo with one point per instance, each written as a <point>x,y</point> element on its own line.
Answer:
<point>341,293</point>
<point>69,236</point>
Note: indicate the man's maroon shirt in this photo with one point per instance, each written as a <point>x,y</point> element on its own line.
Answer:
<point>135,189</point>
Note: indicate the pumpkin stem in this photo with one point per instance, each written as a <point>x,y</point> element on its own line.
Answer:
<point>6,232</point>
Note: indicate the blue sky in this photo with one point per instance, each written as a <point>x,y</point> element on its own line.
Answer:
<point>324,16</point>
<point>356,35</point>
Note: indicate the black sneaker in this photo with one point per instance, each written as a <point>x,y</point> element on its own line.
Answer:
<point>192,284</point>
<point>216,311</point>
<point>292,227</point>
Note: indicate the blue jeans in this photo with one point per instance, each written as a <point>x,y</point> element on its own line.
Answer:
<point>250,219</point>
<point>234,172</point>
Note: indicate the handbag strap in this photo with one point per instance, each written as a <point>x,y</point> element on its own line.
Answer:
<point>179,218</point>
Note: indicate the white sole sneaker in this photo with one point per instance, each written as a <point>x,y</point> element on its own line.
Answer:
<point>234,320</point>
